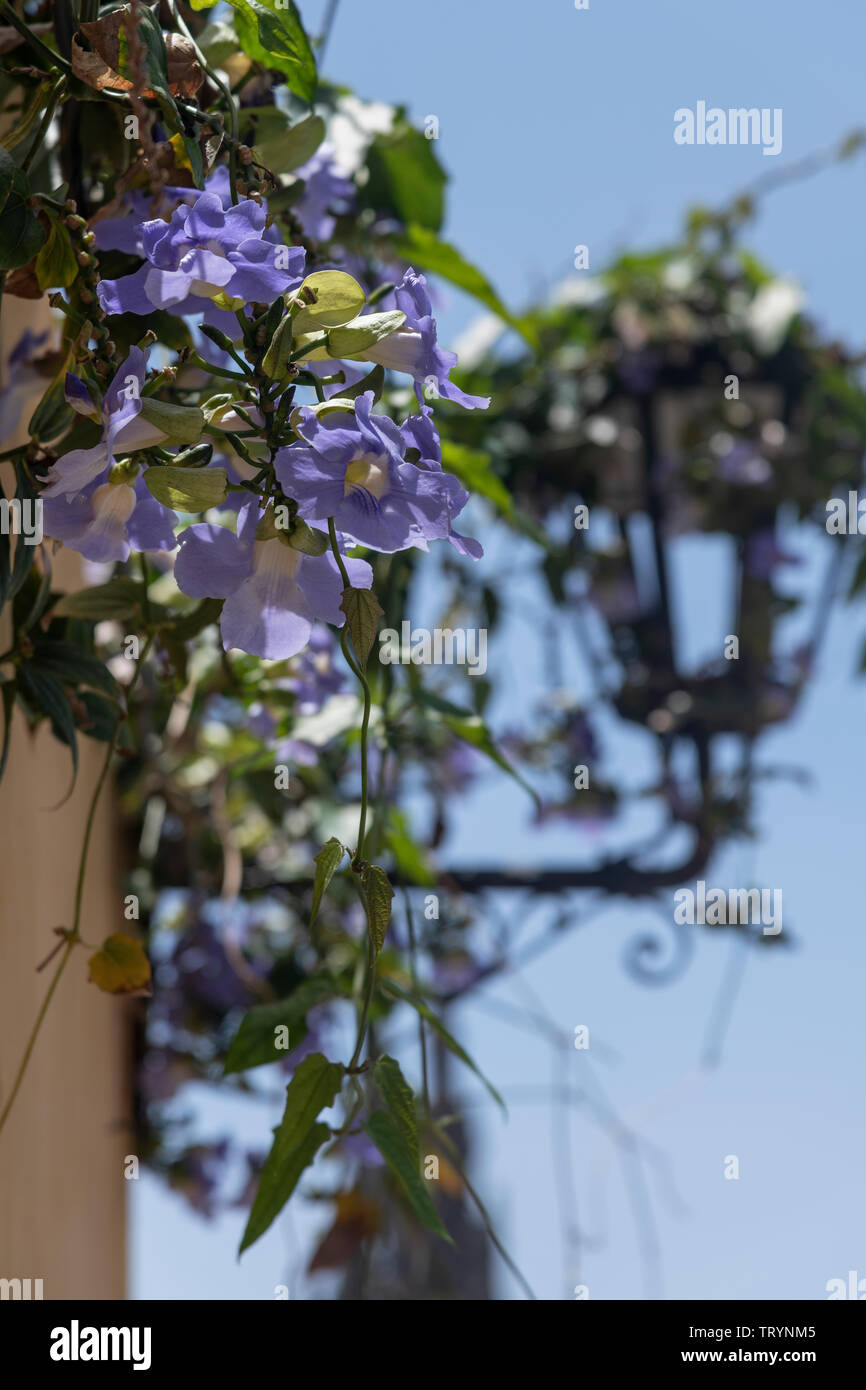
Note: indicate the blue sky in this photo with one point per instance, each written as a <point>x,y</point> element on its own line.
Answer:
<point>557,128</point>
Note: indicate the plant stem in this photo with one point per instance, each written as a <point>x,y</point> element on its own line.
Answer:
<point>328,25</point>
<point>55,59</point>
<point>74,936</point>
<point>47,118</point>
<point>413,975</point>
<point>448,1143</point>
<point>368,995</point>
<point>358,858</point>
<point>227,97</point>
<point>357,671</point>
<point>35,1032</point>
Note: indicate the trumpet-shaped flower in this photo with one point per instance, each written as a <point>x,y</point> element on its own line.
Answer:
<point>204,251</point>
<point>123,428</point>
<point>105,520</point>
<point>273,592</point>
<point>351,466</point>
<point>414,348</point>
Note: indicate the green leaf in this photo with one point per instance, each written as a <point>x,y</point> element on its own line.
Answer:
<point>184,491</point>
<point>297,1138</point>
<point>412,860</point>
<point>102,716</point>
<point>74,666</point>
<point>471,729</point>
<point>21,232</point>
<point>421,247</point>
<point>378,893</point>
<point>303,538</point>
<point>56,266</point>
<point>53,415</point>
<point>374,381</point>
<point>30,116</point>
<point>279,351</point>
<point>339,300</point>
<point>23,558</point>
<point>363,614</point>
<point>46,693</point>
<point>353,339</point>
<point>406,178</point>
<point>283,146</point>
<point>271,33</point>
<point>474,731</point>
<point>191,624</point>
<point>327,862</point>
<point>408,997</point>
<point>181,424</point>
<point>253,1043</point>
<point>119,598</point>
<point>217,40</point>
<point>400,1100</point>
<point>472,467</point>
<point>387,1137</point>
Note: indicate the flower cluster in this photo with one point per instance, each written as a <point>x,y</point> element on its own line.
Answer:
<point>268,525</point>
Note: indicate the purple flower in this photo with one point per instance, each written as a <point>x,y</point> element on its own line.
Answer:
<point>297,751</point>
<point>273,593</point>
<point>423,435</point>
<point>106,519</point>
<point>351,466</point>
<point>325,188</point>
<point>21,376</point>
<point>84,507</point>
<point>123,232</point>
<point>205,250</point>
<point>316,677</point>
<point>122,430</point>
<point>743,466</point>
<point>414,348</point>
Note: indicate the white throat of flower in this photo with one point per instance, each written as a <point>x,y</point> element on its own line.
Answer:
<point>113,505</point>
<point>368,473</point>
<point>276,562</point>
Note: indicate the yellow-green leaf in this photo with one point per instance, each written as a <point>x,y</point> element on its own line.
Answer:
<point>121,967</point>
<point>186,491</point>
<point>379,894</point>
<point>339,299</point>
<point>327,862</point>
<point>56,266</point>
<point>354,338</point>
<point>363,613</point>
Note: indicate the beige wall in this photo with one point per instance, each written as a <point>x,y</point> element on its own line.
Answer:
<point>62,1190</point>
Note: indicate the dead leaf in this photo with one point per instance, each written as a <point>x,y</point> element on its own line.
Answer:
<point>102,68</point>
<point>121,967</point>
<point>184,71</point>
<point>23,283</point>
<point>357,1218</point>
